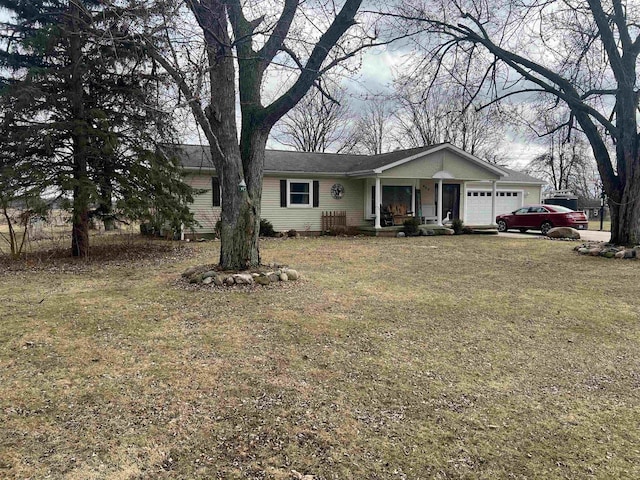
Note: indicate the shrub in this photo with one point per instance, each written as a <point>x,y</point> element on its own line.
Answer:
<point>147,229</point>
<point>457,225</point>
<point>467,230</point>
<point>411,226</point>
<point>266,228</point>
<point>337,231</point>
<point>292,233</point>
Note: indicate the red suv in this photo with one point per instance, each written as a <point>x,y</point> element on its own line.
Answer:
<point>543,218</point>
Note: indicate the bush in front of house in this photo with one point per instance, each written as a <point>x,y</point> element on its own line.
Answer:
<point>292,233</point>
<point>457,225</point>
<point>337,230</point>
<point>266,228</point>
<point>411,226</point>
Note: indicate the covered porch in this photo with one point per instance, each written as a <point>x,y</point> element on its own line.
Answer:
<point>433,201</point>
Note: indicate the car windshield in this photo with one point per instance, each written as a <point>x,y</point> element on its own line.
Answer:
<point>561,209</point>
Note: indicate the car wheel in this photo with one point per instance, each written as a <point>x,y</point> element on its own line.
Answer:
<point>502,226</point>
<point>523,230</point>
<point>545,227</point>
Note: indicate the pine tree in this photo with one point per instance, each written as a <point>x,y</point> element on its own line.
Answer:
<point>85,107</point>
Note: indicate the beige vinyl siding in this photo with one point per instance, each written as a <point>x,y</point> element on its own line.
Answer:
<point>309,218</point>
<point>202,207</point>
<point>426,167</point>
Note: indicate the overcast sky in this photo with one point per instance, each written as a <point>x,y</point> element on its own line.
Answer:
<point>375,77</point>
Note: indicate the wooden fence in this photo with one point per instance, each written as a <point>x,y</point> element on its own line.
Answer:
<point>331,220</point>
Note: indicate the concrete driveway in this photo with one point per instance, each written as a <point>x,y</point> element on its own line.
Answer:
<point>590,235</point>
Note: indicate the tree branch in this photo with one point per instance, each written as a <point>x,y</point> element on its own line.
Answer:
<point>312,69</point>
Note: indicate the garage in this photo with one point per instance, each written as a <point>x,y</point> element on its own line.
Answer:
<point>478,205</point>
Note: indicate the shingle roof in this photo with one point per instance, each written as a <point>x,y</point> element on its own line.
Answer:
<point>280,161</point>
<point>520,177</point>
<point>199,156</point>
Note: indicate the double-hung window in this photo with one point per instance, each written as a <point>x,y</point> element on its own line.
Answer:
<point>295,193</point>
<point>300,193</point>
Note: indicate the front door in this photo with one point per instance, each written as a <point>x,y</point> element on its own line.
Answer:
<point>450,200</point>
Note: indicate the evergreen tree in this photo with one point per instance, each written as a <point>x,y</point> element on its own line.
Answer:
<point>85,107</point>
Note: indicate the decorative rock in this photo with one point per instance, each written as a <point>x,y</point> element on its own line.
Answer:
<point>448,231</point>
<point>609,251</point>
<point>292,274</point>
<point>229,280</point>
<point>583,250</point>
<point>595,251</point>
<point>631,253</point>
<point>273,277</point>
<point>197,278</point>
<point>400,235</point>
<point>210,273</point>
<point>207,280</point>
<point>283,277</point>
<point>243,278</point>
<point>564,232</point>
<point>254,274</point>
<point>190,271</point>
<point>262,280</point>
<point>620,254</point>
<point>218,280</point>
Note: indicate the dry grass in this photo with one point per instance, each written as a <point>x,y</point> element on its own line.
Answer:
<point>429,357</point>
<point>595,225</point>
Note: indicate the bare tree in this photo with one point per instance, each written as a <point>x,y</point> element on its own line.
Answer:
<point>427,116</point>
<point>374,128</point>
<point>320,122</point>
<point>563,165</point>
<point>579,53</point>
<point>245,42</point>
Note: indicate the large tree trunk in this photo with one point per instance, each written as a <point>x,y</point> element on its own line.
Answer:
<point>240,225</point>
<point>625,214</point>
<point>235,162</point>
<point>80,218</point>
<point>80,229</point>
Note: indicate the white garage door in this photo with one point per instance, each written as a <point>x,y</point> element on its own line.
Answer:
<point>479,205</point>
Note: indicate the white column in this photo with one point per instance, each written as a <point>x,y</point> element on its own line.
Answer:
<point>440,201</point>
<point>463,202</point>
<point>377,204</point>
<point>493,201</point>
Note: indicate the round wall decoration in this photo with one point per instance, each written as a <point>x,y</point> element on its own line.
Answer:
<point>337,191</point>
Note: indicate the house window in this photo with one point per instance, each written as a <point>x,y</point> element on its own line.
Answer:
<point>299,193</point>
<point>397,195</point>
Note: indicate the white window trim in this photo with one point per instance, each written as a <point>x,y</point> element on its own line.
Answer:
<point>299,205</point>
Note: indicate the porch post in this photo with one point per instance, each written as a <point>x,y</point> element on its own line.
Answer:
<point>493,201</point>
<point>413,200</point>
<point>377,205</point>
<point>440,201</point>
<point>464,201</point>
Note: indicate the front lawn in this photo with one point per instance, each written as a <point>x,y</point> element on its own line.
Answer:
<point>428,357</point>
